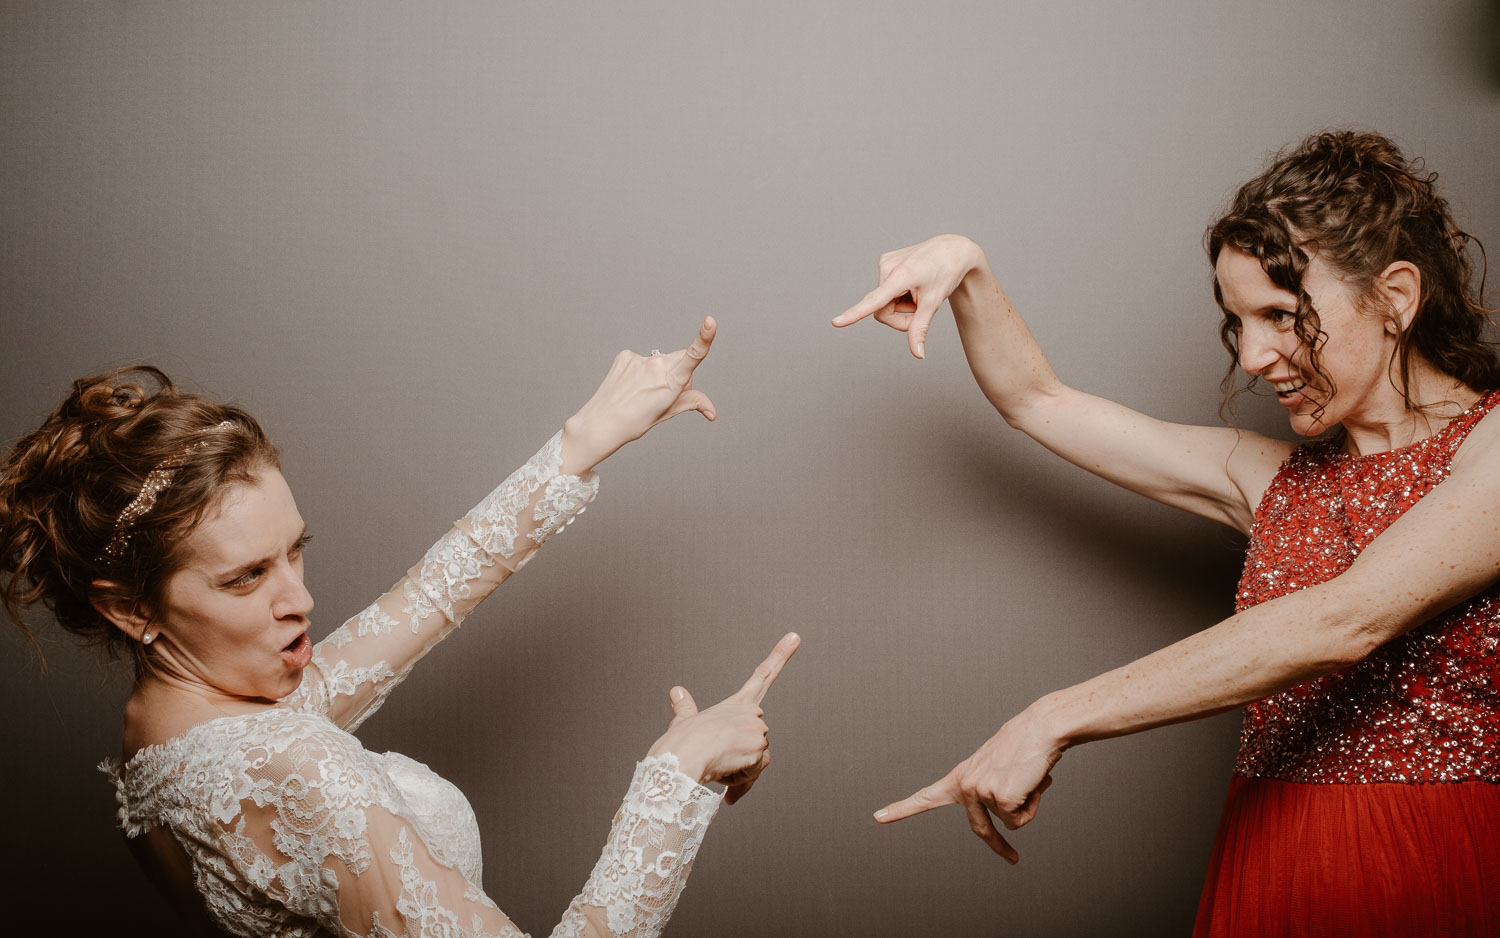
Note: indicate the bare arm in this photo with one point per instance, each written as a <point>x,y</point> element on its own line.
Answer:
<point>1211,471</point>
<point>1443,550</point>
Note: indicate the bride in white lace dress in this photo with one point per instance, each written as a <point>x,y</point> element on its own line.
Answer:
<point>159,521</point>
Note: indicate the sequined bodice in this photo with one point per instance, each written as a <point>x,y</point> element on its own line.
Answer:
<point>1424,707</point>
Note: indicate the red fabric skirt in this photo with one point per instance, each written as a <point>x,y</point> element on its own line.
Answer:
<point>1385,859</point>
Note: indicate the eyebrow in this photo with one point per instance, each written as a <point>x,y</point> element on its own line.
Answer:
<point>246,567</point>
<point>1262,307</point>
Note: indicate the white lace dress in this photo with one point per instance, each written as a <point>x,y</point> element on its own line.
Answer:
<point>292,828</point>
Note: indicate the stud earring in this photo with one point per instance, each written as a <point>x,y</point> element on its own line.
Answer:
<point>147,638</point>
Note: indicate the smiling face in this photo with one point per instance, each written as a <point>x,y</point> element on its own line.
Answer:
<point>1355,356</point>
<point>233,620</point>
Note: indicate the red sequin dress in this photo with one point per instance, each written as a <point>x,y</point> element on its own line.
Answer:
<point>1364,802</point>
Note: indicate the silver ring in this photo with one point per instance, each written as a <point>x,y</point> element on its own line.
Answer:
<point>655,352</point>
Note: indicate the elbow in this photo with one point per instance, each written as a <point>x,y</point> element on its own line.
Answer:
<point>1030,411</point>
<point>1353,638</point>
<point>1348,649</point>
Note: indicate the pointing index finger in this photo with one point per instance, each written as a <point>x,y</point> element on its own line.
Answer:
<point>874,301</point>
<point>765,672</point>
<point>942,792</point>
<point>696,352</point>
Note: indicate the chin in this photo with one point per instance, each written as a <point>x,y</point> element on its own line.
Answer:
<point>290,685</point>
<point>1308,427</point>
<point>276,690</point>
<point>1310,424</point>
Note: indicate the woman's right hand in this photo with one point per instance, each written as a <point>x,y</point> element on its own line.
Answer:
<point>914,282</point>
<point>638,392</point>
<point>729,742</point>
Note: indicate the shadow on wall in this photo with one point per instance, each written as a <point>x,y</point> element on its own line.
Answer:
<point>1107,527</point>
<point>1488,38</point>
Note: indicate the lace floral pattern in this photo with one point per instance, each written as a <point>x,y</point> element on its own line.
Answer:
<point>651,848</point>
<point>292,828</point>
<point>283,816</point>
<point>367,657</point>
<point>490,529</point>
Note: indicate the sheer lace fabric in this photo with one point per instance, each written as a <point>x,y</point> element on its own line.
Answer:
<point>292,828</point>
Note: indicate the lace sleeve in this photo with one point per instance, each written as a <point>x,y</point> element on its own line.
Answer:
<point>361,661</point>
<point>645,864</point>
<point>323,835</point>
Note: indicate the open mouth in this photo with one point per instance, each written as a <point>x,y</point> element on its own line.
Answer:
<point>298,652</point>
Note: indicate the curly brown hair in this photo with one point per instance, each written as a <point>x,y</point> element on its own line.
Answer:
<point>1359,204</point>
<point>64,485</point>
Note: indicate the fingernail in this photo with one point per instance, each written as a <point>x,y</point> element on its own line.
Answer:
<point>676,695</point>
<point>921,349</point>
<point>882,814</point>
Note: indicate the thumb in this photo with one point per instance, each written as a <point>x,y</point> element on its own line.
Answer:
<point>691,399</point>
<point>682,702</point>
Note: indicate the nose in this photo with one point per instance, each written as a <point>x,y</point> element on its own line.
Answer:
<point>1257,349</point>
<point>292,598</point>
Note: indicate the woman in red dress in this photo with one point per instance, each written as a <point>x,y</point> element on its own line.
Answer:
<point>1364,644</point>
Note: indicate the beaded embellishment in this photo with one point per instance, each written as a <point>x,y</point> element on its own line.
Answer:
<point>157,481</point>
<point>1424,707</point>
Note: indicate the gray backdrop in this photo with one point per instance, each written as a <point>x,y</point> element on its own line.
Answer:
<point>410,237</point>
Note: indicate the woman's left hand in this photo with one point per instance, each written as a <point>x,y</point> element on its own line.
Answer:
<point>639,392</point>
<point>1005,777</point>
<point>728,742</point>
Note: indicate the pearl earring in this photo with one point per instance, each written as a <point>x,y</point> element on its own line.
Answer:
<point>147,638</point>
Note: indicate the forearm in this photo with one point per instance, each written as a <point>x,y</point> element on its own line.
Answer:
<point>1205,470</point>
<point>367,656</point>
<point>498,536</point>
<point>1005,359</point>
<point>645,863</point>
<point>1251,655</point>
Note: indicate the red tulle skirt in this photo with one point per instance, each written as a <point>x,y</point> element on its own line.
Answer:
<point>1383,859</point>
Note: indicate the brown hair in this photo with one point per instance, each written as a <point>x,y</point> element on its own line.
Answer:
<point>64,485</point>
<point>1357,202</point>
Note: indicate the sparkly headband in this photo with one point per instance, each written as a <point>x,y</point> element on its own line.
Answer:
<point>157,481</point>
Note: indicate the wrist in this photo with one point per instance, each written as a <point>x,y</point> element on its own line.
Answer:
<point>692,765</point>
<point>972,253</point>
<point>976,282</point>
<point>1048,719</point>
<point>581,448</point>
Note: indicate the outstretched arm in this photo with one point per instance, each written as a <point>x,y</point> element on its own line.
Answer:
<point>1445,549</point>
<point>1211,471</point>
<point>357,665</point>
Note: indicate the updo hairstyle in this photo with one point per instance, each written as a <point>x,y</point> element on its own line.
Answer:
<point>64,486</point>
<point>1357,202</point>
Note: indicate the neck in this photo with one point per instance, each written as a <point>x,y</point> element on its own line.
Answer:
<point>1389,423</point>
<point>164,705</point>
